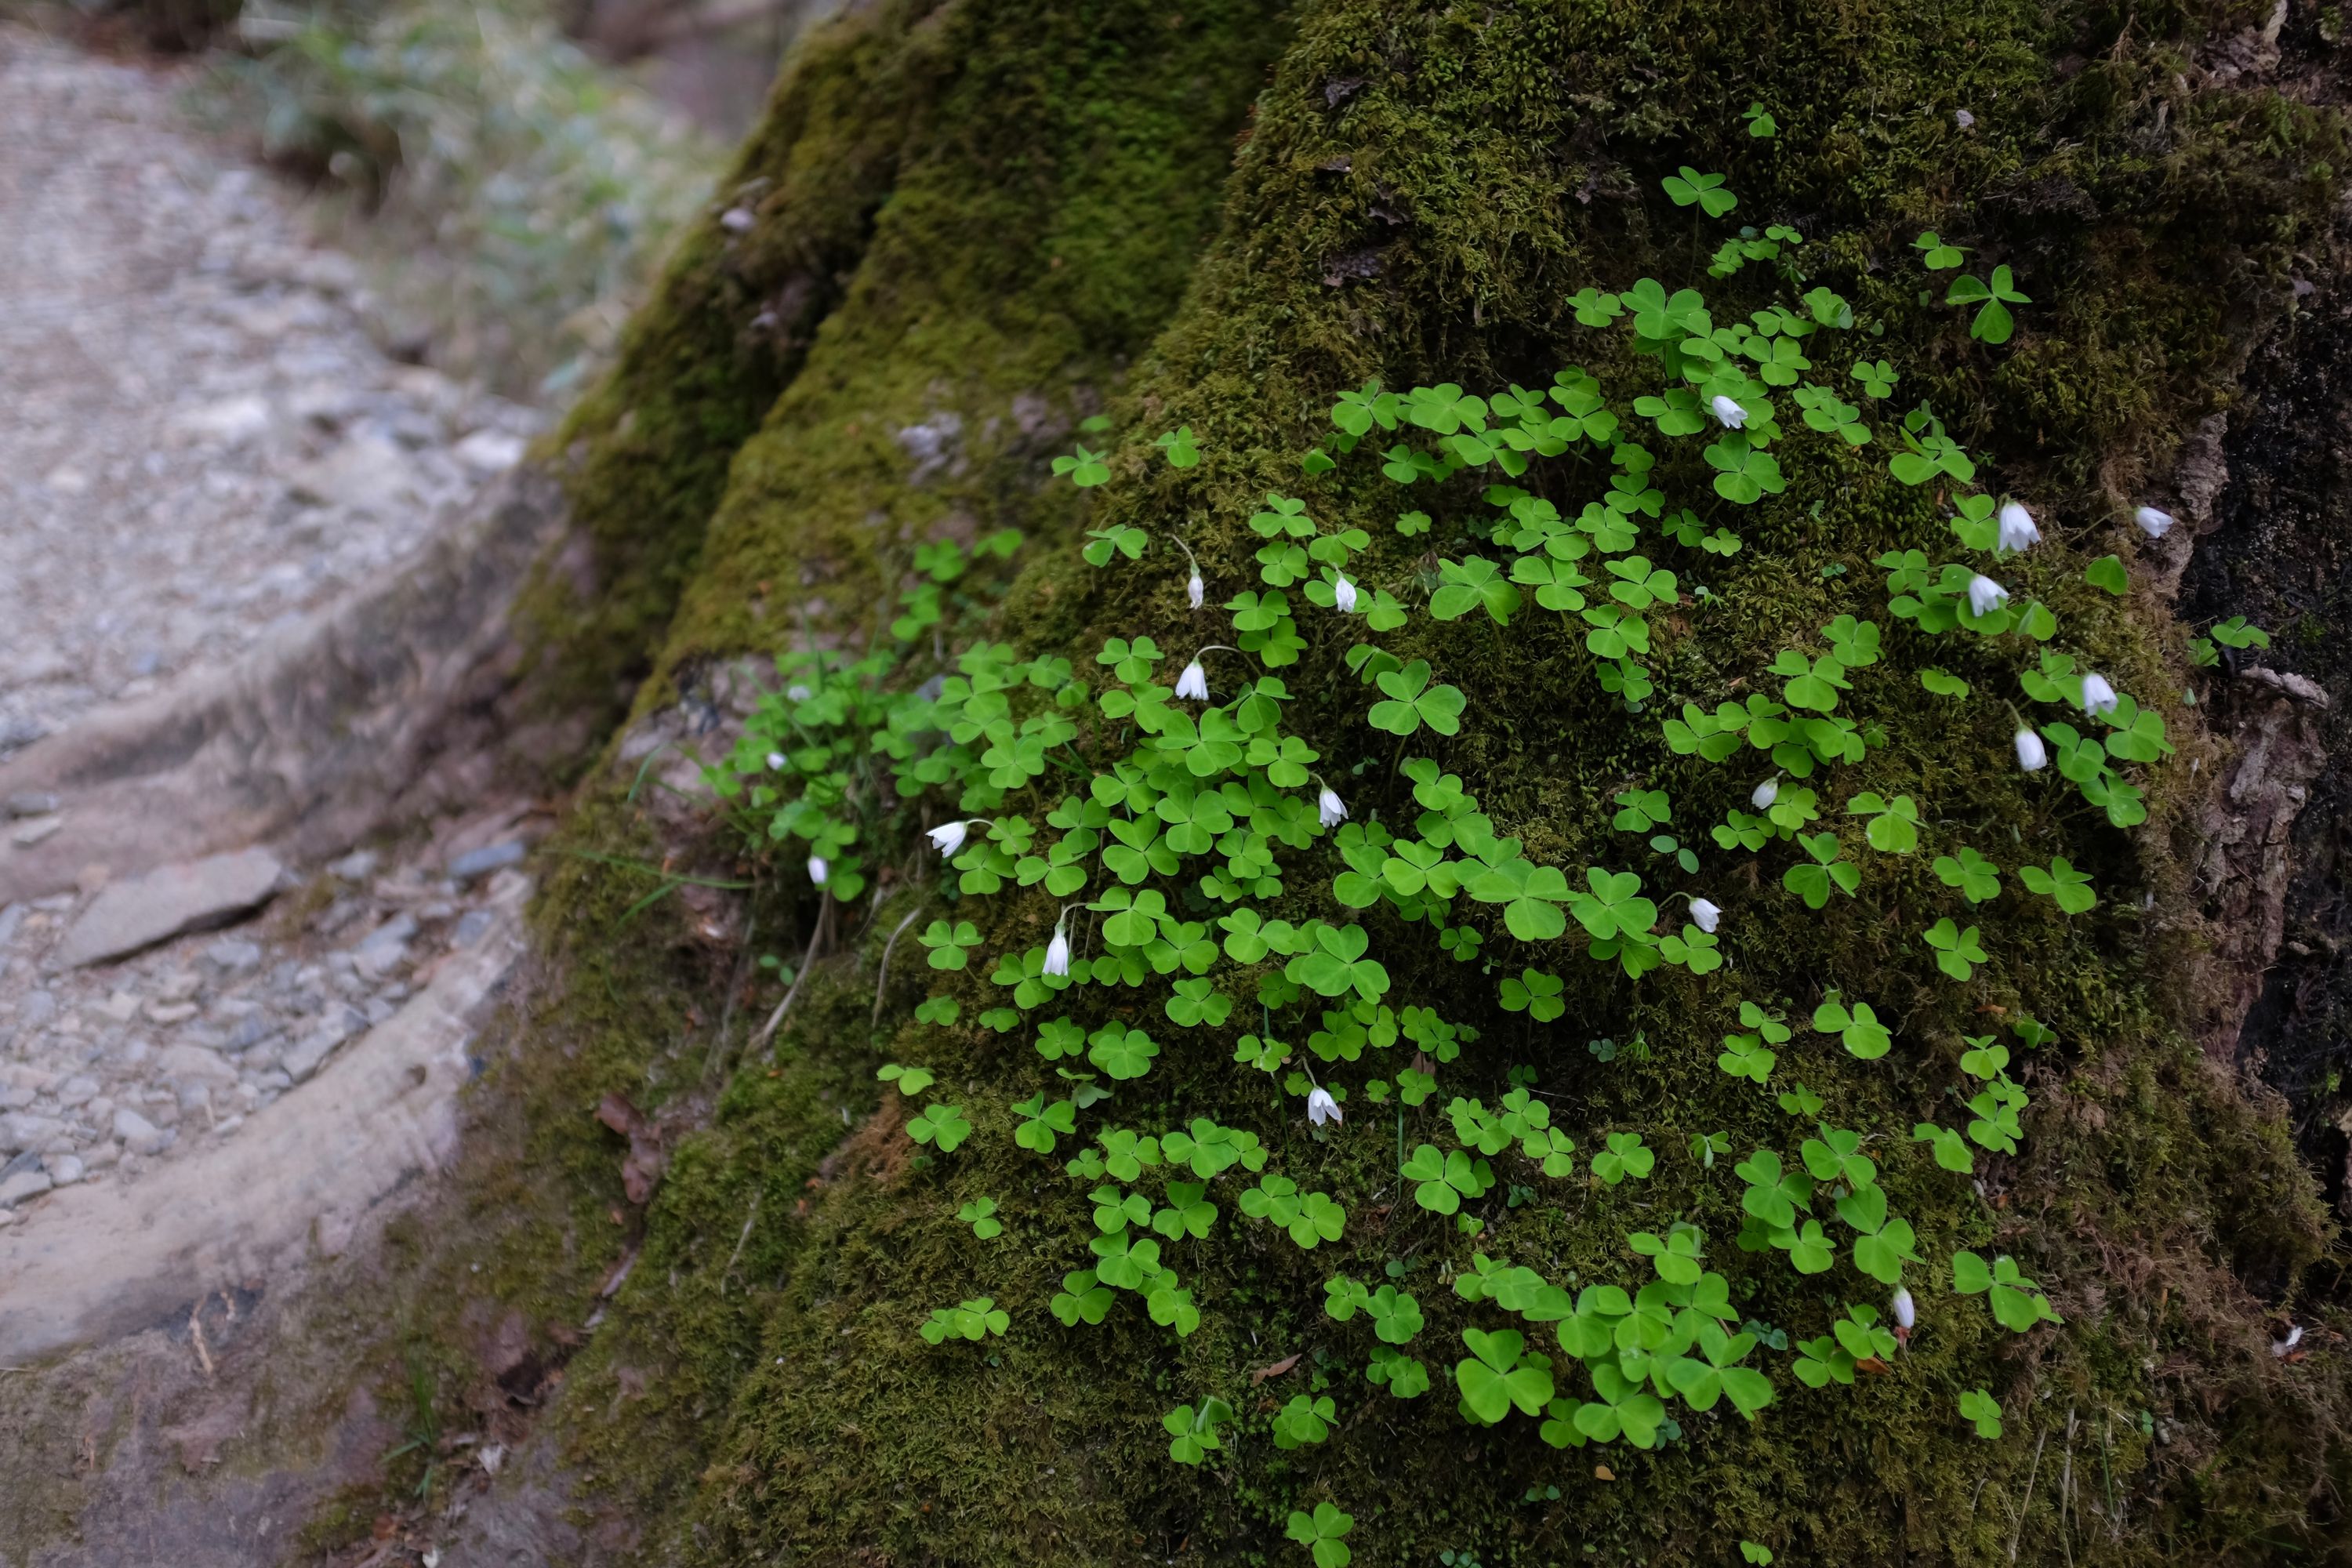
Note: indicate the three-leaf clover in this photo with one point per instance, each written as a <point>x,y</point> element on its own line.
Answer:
<point>1760,123</point>
<point>1689,187</point>
<point>1320,1533</point>
<point>1182,453</point>
<point>1937,256</point>
<point>1993,323</point>
<point>910,1081</point>
<point>1858,1028</point>
<point>1444,1180</point>
<point>1984,1410</point>
<point>941,1126</point>
<point>1086,470</point>
<point>2016,1300</point>
<point>1414,703</point>
<point>1893,824</point>
<point>1957,952</point>
<point>1625,1156</point>
<point>973,1319</point>
<point>950,945</point>
<point>1193,1430</point>
<point>981,1214</point>
<point>1499,1375</point>
<point>2069,887</point>
<point>1978,878</point>
<point>1122,1052</point>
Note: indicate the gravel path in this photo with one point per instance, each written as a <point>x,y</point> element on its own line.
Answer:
<point>198,439</point>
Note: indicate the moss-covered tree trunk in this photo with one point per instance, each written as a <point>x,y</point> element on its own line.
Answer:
<point>1910,1048</point>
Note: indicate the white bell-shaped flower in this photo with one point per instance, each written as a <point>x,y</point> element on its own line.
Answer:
<point>1057,952</point>
<point>1331,808</point>
<point>2017,530</point>
<point>775,762</point>
<point>1343,594</point>
<point>2032,755</point>
<point>797,693</point>
<point>1193,683</point>
<point>948,837</point>
<point>2154,524</point>
<point>1766,794</point>
<point>819,872</point>
<point>1706,915</point>
<point>1728,413</point>
<point>1321,1108</point>
<point>2098,696</point>
<point>1196,590</point>
<point>1985,596</point>
<point>1907,1311</point>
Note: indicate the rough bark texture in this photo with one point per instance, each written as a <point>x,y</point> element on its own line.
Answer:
<point>970,226</point>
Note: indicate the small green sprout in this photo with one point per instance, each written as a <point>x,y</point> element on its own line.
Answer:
<point>981,1214</point>
<point>1943,684</point>
<point>1690,188</point>
<point>1878,377</point>
<point>1404,1378</point>
<point>1320,1533</point>
<point>1801,1102</point>
<point>1951,1150</point>
<point>1760,123</point>
<point>1193,1431</point>
<point>1182,453</point>
<point>1984,1410</point>
<point>943,1010</point>
<point>941,1126</point>
<point>973,1319</point>
<point>910,1081</point>
<point>1117,540</point>
<point>1755,1552</point>
<point>1993,323</point>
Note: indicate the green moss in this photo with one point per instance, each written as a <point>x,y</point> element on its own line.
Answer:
<point>1422,190</point>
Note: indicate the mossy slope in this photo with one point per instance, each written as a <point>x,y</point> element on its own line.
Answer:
<point>1422,189</point>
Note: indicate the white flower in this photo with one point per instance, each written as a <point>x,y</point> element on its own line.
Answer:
<point>1985,596</point>
<point>1343,594</point>
<point>1196,590</point>
<point>2098,696</point>
<point>949,837</point>
<point>1193,683</point>
<point>2017,530</point>
<point>1057,952</point>
<point>1766,794</point>
<point>1330,807</point>
<point>775,762</point>
<point>2154,524</point>
<point>1706,915</point>
<point>2293,1337</point>
<point>1906,1314</point>
<point>797,693</point>
<point>1729,412</point>
<point>818,870</point>
<point>2031,755</point>
<point>1321,1107</point>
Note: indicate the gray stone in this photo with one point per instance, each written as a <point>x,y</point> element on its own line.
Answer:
<point>76,1091</point>
<point>136,1133</point>
<point>472,927</point>
<point>64,1170</point>
<point>303,1058</point>
<point>365,473</point>
<point>378,1010</point>
<point>166,903</point>
<point>356,866</point>
<point>193,1064</point>
<point>233,955</point>
<point>11,917</point>
<point>481,862</point>
<point>36,830</point>
<point>31,802</point>
<point>22,1185</point>
<point>37,1009</point>
<point>251,1031</point>
<point>23,1129</point>
<point>385,948</point>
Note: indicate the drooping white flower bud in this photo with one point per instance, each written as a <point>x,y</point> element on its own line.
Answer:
<point>819,872</point>
<point>1727,412</point>
<point>1331,808</point>
<point>775,762</point>
<point>2031,755</point>
<point>1343,594</point>
<point>1193,683</point>
<point>1057,952</point>
<point>1321,1108</point>
<point>947,837</point>
<point>1196,590</point>
<point>2017,530</point>
<point>2098,696</point>
<point>1907,1311</point>
<point>2154,524</point>
<point>1706,915</point>
<point>2294,1337</point>
<point>1766,794</point>
<point>797,693</point>
<point>1985,596</point>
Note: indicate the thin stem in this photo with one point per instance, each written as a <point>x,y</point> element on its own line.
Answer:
<point>883,979</point>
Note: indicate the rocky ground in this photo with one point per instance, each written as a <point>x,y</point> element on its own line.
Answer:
<point>197,441</point>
